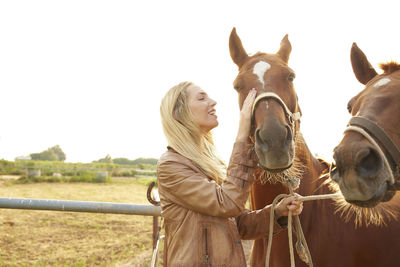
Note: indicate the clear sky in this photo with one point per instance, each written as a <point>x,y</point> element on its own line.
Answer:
<point>89,75</point>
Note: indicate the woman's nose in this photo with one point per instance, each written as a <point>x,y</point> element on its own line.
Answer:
<point>213,102</point>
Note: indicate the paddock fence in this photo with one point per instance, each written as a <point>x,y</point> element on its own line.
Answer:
<point>79,206</point>
<point>89,206</point>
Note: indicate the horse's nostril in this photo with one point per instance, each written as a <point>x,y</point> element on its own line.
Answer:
<point>289,136</point>
<point>257,135</point>
<point>260,141</point>
<point>369,162</point>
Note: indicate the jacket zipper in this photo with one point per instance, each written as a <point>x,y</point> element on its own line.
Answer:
<point>206,236</point>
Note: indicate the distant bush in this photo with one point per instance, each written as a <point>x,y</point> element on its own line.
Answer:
<point>150,161</point>
<point>106,159</point>
<point>144,166</point>
<point>16,172</point>
<point>123,173</point>
<point>145,173</point>
<point>129,173</point>
<point>85,177</point>
<point>40,179</point>
<point>54,153</point>
<point>10,168</point>
<point>125,161</point>
<point>85,172</point>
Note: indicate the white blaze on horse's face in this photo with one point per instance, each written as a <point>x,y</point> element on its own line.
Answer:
<point>382,82</point>
<point>259,69</point>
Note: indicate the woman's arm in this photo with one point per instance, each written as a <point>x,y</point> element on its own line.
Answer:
<point>255,224</point>
<point>185,185</point>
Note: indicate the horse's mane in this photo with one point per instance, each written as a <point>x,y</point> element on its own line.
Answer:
<point>389,67</point>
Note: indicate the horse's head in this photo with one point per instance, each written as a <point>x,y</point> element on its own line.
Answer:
<point>275,112</point>
<point>367,159</point>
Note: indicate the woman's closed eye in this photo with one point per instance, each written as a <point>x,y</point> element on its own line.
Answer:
<point>202,96</point>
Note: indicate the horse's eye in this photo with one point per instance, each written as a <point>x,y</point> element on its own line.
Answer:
<point>349,107</point>
<point>350,104</point>
<point>291,77</point>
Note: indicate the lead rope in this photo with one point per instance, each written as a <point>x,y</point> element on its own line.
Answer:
<point>301,245</point>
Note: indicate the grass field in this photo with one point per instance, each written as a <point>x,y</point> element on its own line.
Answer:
<point>53,238</point>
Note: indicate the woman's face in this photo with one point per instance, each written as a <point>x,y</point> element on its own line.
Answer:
<point>202,108</point>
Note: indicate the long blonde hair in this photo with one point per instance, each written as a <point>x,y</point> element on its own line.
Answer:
<point>185,136</point>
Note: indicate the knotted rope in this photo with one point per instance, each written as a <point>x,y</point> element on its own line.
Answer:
<point>301,244</point>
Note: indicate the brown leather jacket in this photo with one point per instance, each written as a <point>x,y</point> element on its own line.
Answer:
<point>204,222</point>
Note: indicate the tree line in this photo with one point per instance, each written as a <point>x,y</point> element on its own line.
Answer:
<point>55,153</point>
<point>125,161</point>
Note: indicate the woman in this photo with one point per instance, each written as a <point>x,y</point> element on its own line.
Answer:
<point>203,206</point>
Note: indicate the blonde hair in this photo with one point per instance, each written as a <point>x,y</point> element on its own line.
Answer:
<point>185,136</point>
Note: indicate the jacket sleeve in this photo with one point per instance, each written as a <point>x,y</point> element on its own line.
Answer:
<point>255,224</point>
<point>184,185</point>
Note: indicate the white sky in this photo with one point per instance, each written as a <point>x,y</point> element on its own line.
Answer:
<point>89,75</point>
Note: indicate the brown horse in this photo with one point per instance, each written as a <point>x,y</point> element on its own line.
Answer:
<point>283,153</point>
<point>368,157</point>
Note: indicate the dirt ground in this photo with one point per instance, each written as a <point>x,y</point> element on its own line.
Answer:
<point>52,238</point>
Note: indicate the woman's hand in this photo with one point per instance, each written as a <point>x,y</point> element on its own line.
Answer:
<point>245,116</point>
<point>289,203</point>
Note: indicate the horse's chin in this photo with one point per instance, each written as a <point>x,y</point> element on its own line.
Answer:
<point>383,194</point>
<point>269,162</point>
<point>366,212</point>
<point>278,170</point>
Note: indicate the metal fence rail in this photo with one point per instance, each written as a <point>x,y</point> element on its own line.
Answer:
<point>79,206</point>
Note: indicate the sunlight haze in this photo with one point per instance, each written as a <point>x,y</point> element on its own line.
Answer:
<point>89,75</point>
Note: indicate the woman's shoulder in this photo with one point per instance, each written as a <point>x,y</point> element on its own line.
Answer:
<point>173,164</point>
<point>171,156</point>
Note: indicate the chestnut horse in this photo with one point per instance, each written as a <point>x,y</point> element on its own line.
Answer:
<point>283,154</point>
<point>368,157</point>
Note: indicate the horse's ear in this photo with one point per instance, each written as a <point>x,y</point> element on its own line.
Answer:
<point>285,49</point>
<point>361,67</point>
<point>238,54</point>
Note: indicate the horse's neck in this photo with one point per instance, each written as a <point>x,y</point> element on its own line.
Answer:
<point>312,168</point>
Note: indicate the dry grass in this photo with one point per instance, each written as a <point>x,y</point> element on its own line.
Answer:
<point>51,238</point>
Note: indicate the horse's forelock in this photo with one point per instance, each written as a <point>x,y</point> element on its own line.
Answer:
<point>389,67</point>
